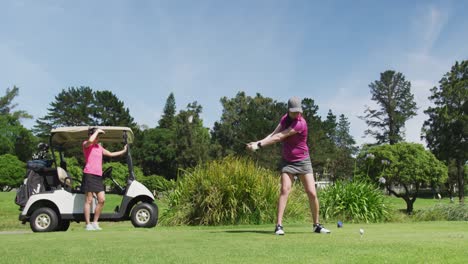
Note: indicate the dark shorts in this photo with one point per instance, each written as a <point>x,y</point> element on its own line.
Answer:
<point>297,168</point>
<point>92,183</point>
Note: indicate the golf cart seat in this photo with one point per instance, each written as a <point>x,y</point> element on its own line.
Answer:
<point>66,181</point>
<point>51,180</point>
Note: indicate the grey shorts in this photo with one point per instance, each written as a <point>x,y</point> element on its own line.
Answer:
<point>297,168</point>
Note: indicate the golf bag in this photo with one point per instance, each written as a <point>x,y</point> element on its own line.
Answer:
<point>37,174</point>
<point>32,184</point>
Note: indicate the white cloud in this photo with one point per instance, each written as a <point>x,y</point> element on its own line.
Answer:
<point>431,25</point>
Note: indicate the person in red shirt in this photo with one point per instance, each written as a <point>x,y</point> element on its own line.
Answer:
<point>92,175</point>
<point>292,132</point>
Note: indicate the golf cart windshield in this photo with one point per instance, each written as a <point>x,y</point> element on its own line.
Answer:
<point>69,136</point>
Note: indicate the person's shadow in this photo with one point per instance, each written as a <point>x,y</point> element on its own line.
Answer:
<point>249,231</point>
<point>264,232</point>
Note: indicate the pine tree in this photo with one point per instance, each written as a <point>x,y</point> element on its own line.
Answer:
<point>446,130</point>
<point>396,104</point>
<point>14,138</point>
<point>168,118</point>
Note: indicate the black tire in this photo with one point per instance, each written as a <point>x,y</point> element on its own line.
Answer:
<point>44,220</point>
<point>64,225</point>
<point>144,215</point>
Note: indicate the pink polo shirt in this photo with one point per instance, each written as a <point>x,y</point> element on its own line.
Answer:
<point>93,159</point>
<point>295,147</point>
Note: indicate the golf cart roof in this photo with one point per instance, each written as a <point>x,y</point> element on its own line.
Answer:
<point>70,135</point>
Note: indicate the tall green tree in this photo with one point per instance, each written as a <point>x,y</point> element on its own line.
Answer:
<point>82,106</point>
<point>168,118</point>
<point>346,148</point>
<point>72,107</point>
<point>446,130</point>
<point>330,125</point>
<point>191,138</point>
<point>245,119</point>
<point>343,138</point>
<point>337,148</point>
<point>155,152</point>
<point>326,151</point>
<point>227,133</point>
<point>155,149</point>
<point>7,105</point>
<point>396,105</point>
<point>15,139</point>
<point>110,111</point>
<point>402,168</point>
<point>321,147</point>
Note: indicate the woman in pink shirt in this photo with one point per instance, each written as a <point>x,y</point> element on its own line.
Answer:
<point>92,175</point>
<point>292,132</point>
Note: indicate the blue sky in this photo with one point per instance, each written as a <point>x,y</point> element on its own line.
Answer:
<point>329,51</point>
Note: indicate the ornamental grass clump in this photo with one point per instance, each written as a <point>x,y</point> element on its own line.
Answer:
<point>229,191</point>
<point>353,202</point>
<point>443,212</point>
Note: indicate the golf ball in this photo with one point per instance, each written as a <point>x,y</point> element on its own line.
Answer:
<point>361,231</point>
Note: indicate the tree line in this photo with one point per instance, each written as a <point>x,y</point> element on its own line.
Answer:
<point>179,140</point>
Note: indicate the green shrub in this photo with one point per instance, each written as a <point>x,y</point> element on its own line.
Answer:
<point>229,191</point>
<point>75,171</point>
<point>12,172</point>
<point>443,212</point>
<point>120,173</point>
<point>157,183</point>
<point>353,202</point>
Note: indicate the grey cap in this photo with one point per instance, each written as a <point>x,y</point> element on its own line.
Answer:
<point>294,104</point>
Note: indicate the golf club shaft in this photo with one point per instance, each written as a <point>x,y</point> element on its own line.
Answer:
<point>239,141</point>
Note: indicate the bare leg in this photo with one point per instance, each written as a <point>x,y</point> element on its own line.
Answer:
<point>101,199</point>
<point>87,206</point>
<point>309,186</point>
<point>286,182</point>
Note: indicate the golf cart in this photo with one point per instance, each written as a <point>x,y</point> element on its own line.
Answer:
<point>53,206</point>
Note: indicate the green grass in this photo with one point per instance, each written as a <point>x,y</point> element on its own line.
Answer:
<point>428,242</point>
<point>409,242</point>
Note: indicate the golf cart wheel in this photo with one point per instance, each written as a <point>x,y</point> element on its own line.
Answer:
<point>44,220</point>
<point>63,225</point>
<point>144,215</point>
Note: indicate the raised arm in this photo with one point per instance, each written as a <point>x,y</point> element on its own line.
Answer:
<point>107,153</point>
<point>92,139</point>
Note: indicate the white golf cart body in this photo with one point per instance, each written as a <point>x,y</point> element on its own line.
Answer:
<point>53,209</point>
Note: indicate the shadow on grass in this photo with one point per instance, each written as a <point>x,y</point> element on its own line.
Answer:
<point>14,232</point>
<point>264,232</point>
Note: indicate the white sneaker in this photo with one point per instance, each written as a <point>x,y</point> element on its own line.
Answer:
<point>279,230</point>
<point>318,228</point>
<point>96,226</point>
<point>89,227</point>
